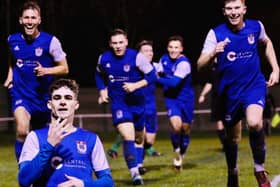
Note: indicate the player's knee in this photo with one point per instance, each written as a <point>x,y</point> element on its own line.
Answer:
<point>254,123</point>
<point>176,127</point>
<point>233,140</point>
<point>236,139</point>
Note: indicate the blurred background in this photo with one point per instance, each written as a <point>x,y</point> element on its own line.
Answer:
<point>82,27</point>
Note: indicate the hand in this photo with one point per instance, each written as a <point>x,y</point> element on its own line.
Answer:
<point>72,182</point>
<point>57,131</point>
<point>39,70</point>
<point>220,47</point>
<point>103,98</point>
<point>8,84</point>
<point>130,87</point>
<point>201,99</point>
<point>273,79</point>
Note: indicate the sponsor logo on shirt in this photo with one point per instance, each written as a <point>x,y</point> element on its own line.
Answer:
<point>19,63</point>
<point>56,162</point>
<point>232,55</point>
<point>113,79</point>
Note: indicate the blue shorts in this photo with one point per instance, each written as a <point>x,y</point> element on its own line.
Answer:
<point>151,122</point>
<point>234,109</point>
<point>38,110</point>
<point>124,113</point>
<point>183,109</point>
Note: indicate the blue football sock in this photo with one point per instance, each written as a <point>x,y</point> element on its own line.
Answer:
<point>221,134</point>
<point>130,153</point>
<point>231,155</point>
<point>140,155</point>
<point>175,139</point>
<point>184,143</point>
<point>257,143</point>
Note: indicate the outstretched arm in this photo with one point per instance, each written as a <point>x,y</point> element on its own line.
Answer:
<point>205,90</point>
<point>9,80</point>
<point>61,68</point>
<point>271,57</point>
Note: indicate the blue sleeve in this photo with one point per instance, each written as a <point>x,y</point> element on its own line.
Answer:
<point>104,179</point>
<point>99,80</point>
<point>151,76</point>
<point>30,171</point>
<point>171,81</point>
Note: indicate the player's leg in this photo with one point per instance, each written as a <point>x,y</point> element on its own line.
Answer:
<point>216,118</point>
<point>175,135</point>
<point>151,126</point>
<point>148,146</point>
<point>233,137</point>
<point>257,142</point>
<point>139,145</point>
<point>185,138</point>
<point>127,132</point>
<point>220,132</point>
<point>22,118</point>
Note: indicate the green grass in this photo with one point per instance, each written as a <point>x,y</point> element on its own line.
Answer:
<point>204,165</point>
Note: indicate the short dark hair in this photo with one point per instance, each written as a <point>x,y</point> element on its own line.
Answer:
<point>144,42</point>
<point>226,1</point>
<point>30,5</point>
<point>176,38</point>
<point>62,82</point>
<point>118,31</point>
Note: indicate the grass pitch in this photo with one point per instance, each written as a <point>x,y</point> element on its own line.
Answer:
<point>204,164</point>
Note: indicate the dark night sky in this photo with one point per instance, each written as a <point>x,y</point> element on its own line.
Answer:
<point>83,27</point>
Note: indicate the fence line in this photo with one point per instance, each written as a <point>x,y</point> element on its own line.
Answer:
<point>80,117</point>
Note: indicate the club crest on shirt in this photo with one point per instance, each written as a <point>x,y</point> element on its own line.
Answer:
<point>251,39</point>
<point>81,147</point>
<point>126,68</point>
<point>39,51</point>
